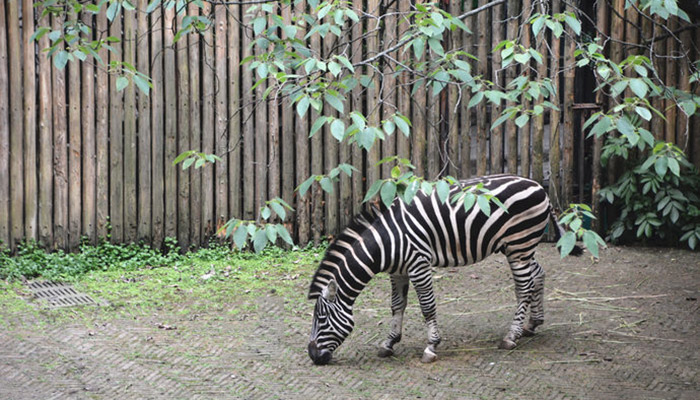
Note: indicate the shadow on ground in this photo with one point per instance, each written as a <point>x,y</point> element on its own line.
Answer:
<point>625,327</point>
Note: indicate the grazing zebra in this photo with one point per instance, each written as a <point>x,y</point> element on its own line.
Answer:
<point>406,240</point>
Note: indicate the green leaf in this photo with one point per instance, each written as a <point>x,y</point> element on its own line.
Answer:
<point>338,129</point>
<point>639,87</point>
<point>388,193</point>
<point>522,120</point>
<point>240,236</point>
<point>303,105</point>
<point>326,184</point>
<point>411,191</point>
<point>566,243</point>
<point>476,99</point>
<point>152,6</point>
<point>304,187</point>
<point>661,166</point>
<point>483,204</point>
<point>265,213</point>
<point>60,59</point>
<point>271,233</point>
<point>674,167</point>
<point>334,101</point>
<point>403,124</point>
<point>643,112</point>
<point>469,201</point>
<point>284,234</point>
<point>122,83</point>
<point>573,23</point>
<point>113,10</point>
<point>591,242</point>
<point>259,240</point>
<point>443,190</point>
<point>143,84</point>
<point>334,68</point>
<point>373,190</point>
<point>318,124</point>
<point>279,210</point>
<point>389,127</point>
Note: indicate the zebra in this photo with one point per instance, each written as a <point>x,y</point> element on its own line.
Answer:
<point>408,240</point>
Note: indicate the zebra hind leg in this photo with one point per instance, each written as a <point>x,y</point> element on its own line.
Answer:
<point>399,292</point>
<point>537,298</point>
<point>423,283</point>
<point>523,289</point>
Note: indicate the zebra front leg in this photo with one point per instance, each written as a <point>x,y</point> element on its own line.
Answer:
<point>399,292</point>
<point>423,283</point>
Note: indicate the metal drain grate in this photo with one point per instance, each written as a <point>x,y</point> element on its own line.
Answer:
<point>57,294</point>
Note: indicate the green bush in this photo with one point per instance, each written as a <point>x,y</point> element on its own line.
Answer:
<point>658,196</point>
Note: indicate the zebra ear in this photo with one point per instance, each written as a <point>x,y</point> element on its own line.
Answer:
<point>330,291</point>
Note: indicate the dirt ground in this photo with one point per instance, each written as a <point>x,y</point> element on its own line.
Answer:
<point>625,327</point>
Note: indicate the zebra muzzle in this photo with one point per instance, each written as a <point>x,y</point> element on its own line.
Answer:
<point>319,356</point>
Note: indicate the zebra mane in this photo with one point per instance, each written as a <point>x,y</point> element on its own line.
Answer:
<point>356,227</point>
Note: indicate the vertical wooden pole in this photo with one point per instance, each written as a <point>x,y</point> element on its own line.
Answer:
<point>617,31</point>
<point>695,140</point>
<point>302,164</point>
<point>483,123</point>
<point>207,95</point>
<point>4,136</point>
<point>388,85</point>
<point>357,104</point>
<point>195,129</point>
<point>45,195</point>
<point>555,186</point>
<point>403,143</point>
<point>466,113</point>
<point>497,76</point>
<point>373,93</point>
<point>29,123</point>
<point>87,120</point>
<point>170,97</point>
<point>317,225</point>
<point>287,141</point>
<point>525,131</point>
<point>249,192</point>
<point>144,167</point>
<point>60,162</point>
<point>235,139</point>
<point>511,130</point>
<point>659,47</point>
<point>453,142</point>
<point>158,133</point>
<point>330,153</point>
<point>221,213</point>
<point>183,138</point>
<point>130,152</point>
<point>344,205</point>
<point>602,24</point>
<point>671,113</point>
<point>568,112</point>
<point>16,122</point>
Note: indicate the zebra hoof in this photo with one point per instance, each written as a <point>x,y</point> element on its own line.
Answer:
<point>385,352</point>
<point>529,330</point>
<point>528,333</point>
<point>428,356</point>
<point>507,344</point>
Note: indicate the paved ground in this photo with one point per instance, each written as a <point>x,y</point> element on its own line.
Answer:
<point>623,328</point>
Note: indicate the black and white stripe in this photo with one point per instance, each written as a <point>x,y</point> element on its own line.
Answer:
<point>406,240</point>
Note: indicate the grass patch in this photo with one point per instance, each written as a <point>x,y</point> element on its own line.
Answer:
<point>136,279</point>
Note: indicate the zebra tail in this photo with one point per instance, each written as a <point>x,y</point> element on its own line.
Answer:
<point>559,232</point>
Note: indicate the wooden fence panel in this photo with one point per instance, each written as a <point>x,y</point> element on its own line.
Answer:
<point>78,156</point>
<point>4,135</point>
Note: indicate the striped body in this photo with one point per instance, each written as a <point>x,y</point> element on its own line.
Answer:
<point>406,240</point>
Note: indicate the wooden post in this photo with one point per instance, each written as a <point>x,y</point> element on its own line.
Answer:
<point>568,113</point>
<point>671,113</point>
<point>158,134</point>
<point>45,195</point>
<point>60,162</point>
<point>465,112</point>
<point>29,123</point>
<point>372,113</point>
<point>511,130</point>
<point>130,152</point>
<point>195,131</point>
<point>87,120</point>
<point>555,186</point>
<point>388,86</point>
<point>4,137</point>
<point>317,225</point>
<point>481,111</point>
<point>602,23</point>
<point>330,159</point>
<point>357,104</point>
<point>145,186</point>
<point>344,206</point>
<point>452,111</point>
<point>403,143</point>
<point>221,132</point>
<point>249,192</point>
<point>525,131</point>
<point>302,165</point>
<point>183,139</point>
<point>497,76</point>
<point>170,95</point>
<point>235,138</point>
<point>207,133</point>
<point>16,130</point>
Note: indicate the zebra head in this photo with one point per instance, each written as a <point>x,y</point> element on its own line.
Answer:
<point>331,325</point>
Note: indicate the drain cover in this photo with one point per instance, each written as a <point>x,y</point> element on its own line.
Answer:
<point>57,294</point>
